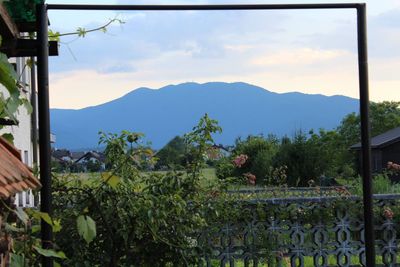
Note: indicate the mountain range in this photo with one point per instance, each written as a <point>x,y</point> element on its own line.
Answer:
<point>240,108</point>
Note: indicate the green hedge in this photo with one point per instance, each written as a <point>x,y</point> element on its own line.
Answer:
<point>22,10</point>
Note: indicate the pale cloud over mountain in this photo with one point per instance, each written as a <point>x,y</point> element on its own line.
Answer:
<point>308,51</point>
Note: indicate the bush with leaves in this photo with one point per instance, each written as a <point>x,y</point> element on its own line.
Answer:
<point>141,219</point>
<point>172,155</point>
<point>252,157</point>
<point>20,243</point>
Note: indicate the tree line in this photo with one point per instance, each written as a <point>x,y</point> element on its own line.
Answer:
<point>313,157</point>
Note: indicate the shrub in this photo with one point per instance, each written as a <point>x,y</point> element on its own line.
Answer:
<point>142,219</point>
<point>224,168</point>
<point>259,153</point>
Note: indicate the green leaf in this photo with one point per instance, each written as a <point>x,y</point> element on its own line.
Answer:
<point>42,215</point>
<point>17,260</point>
<point>27,105</point>
<point>57,226</point>
<point>21,215</point>
<point>35,229</point>
<point>8,75</point>
<point>54,36</point>
<point>86,228</point>
<point>81,32</point>
<point>112,180</point>
<point>10,228</point>
<point>9,137</point>
<point>50,253</point>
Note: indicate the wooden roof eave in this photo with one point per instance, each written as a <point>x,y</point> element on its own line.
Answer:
<point>8,29</point>
<point>12,44</point>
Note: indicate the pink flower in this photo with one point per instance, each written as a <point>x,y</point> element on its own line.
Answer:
<point>388,213</point>
<point>251,178</point>
<point>240,160</point>
<point>393,166</point>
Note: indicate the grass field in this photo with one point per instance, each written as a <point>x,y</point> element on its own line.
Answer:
<point>208,175</point>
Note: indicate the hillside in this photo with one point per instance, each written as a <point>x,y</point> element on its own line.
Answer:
<point>240,108</point>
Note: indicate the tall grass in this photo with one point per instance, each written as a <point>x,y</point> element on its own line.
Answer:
<point>381,184</point>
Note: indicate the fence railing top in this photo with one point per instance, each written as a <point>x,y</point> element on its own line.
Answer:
<point>318,199</point>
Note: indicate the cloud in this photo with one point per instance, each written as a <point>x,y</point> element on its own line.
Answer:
<point>117,68</point>
<point>148,35</point>
<point>308,51</point>
<point>298,57</point>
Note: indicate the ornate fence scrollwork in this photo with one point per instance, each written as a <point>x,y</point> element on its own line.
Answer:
<point>304,231</point>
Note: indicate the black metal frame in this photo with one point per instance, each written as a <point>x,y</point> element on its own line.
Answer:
<point>43,95</point>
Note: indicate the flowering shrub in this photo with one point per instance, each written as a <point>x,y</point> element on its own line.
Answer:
<point>240,160</point>
<point>251,178</point>
<point>388,213</point>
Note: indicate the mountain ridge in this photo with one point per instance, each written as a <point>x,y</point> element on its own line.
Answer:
<point>241,109</point>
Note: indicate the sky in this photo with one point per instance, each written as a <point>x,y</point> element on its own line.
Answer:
<point>309,51</point>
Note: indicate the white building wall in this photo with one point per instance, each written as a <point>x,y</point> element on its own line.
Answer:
<point>23,131</point>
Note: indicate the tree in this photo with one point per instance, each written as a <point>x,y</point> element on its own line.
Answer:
<point>259,152</point>
<point>338,160</point>
<point>304,158</point>
<point>172,154</point>
<point>383,117</point>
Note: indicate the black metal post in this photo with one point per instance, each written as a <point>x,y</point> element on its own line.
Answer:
<point>34,113</point>
<point>363,83</point>
<point>365,135</point>
<point>44,127</point>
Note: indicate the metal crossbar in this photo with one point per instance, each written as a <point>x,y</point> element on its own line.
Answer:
<point>43,96</point>
<point>204,7</point>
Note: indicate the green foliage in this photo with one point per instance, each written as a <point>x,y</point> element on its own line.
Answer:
<point>22,10</point>
<point>86,228</point>
<point>124,153</point>
<point>21,227</point>
<point>381,184</point>
<point>224,168</point>
<point>261,152</point>
<point>384,116</point>
<point>172,155</point>
<point>300,161</point>
<point>302,158</point>
<point>93,166</point>
<point>142,219</point>
<point>10,100</point>
<point>199,141</point>
<point>334,155</point>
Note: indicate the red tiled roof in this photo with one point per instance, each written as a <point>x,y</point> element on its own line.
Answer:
<point>15,176</point>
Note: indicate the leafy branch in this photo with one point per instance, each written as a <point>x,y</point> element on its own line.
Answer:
<point>81,32</point>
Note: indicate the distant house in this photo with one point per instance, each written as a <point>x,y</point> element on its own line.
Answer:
<point>92,161</point>
<point>384,148</point>
<point>62,155</point>
<point>77,155</point>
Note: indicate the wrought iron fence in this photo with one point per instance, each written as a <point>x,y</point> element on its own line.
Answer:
<point>303,231</point>
<point>285,192</point>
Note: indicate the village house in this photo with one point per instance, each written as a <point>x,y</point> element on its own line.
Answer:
<point>385,148</point>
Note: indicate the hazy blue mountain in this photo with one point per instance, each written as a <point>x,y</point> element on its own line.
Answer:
<point>240,108</point>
